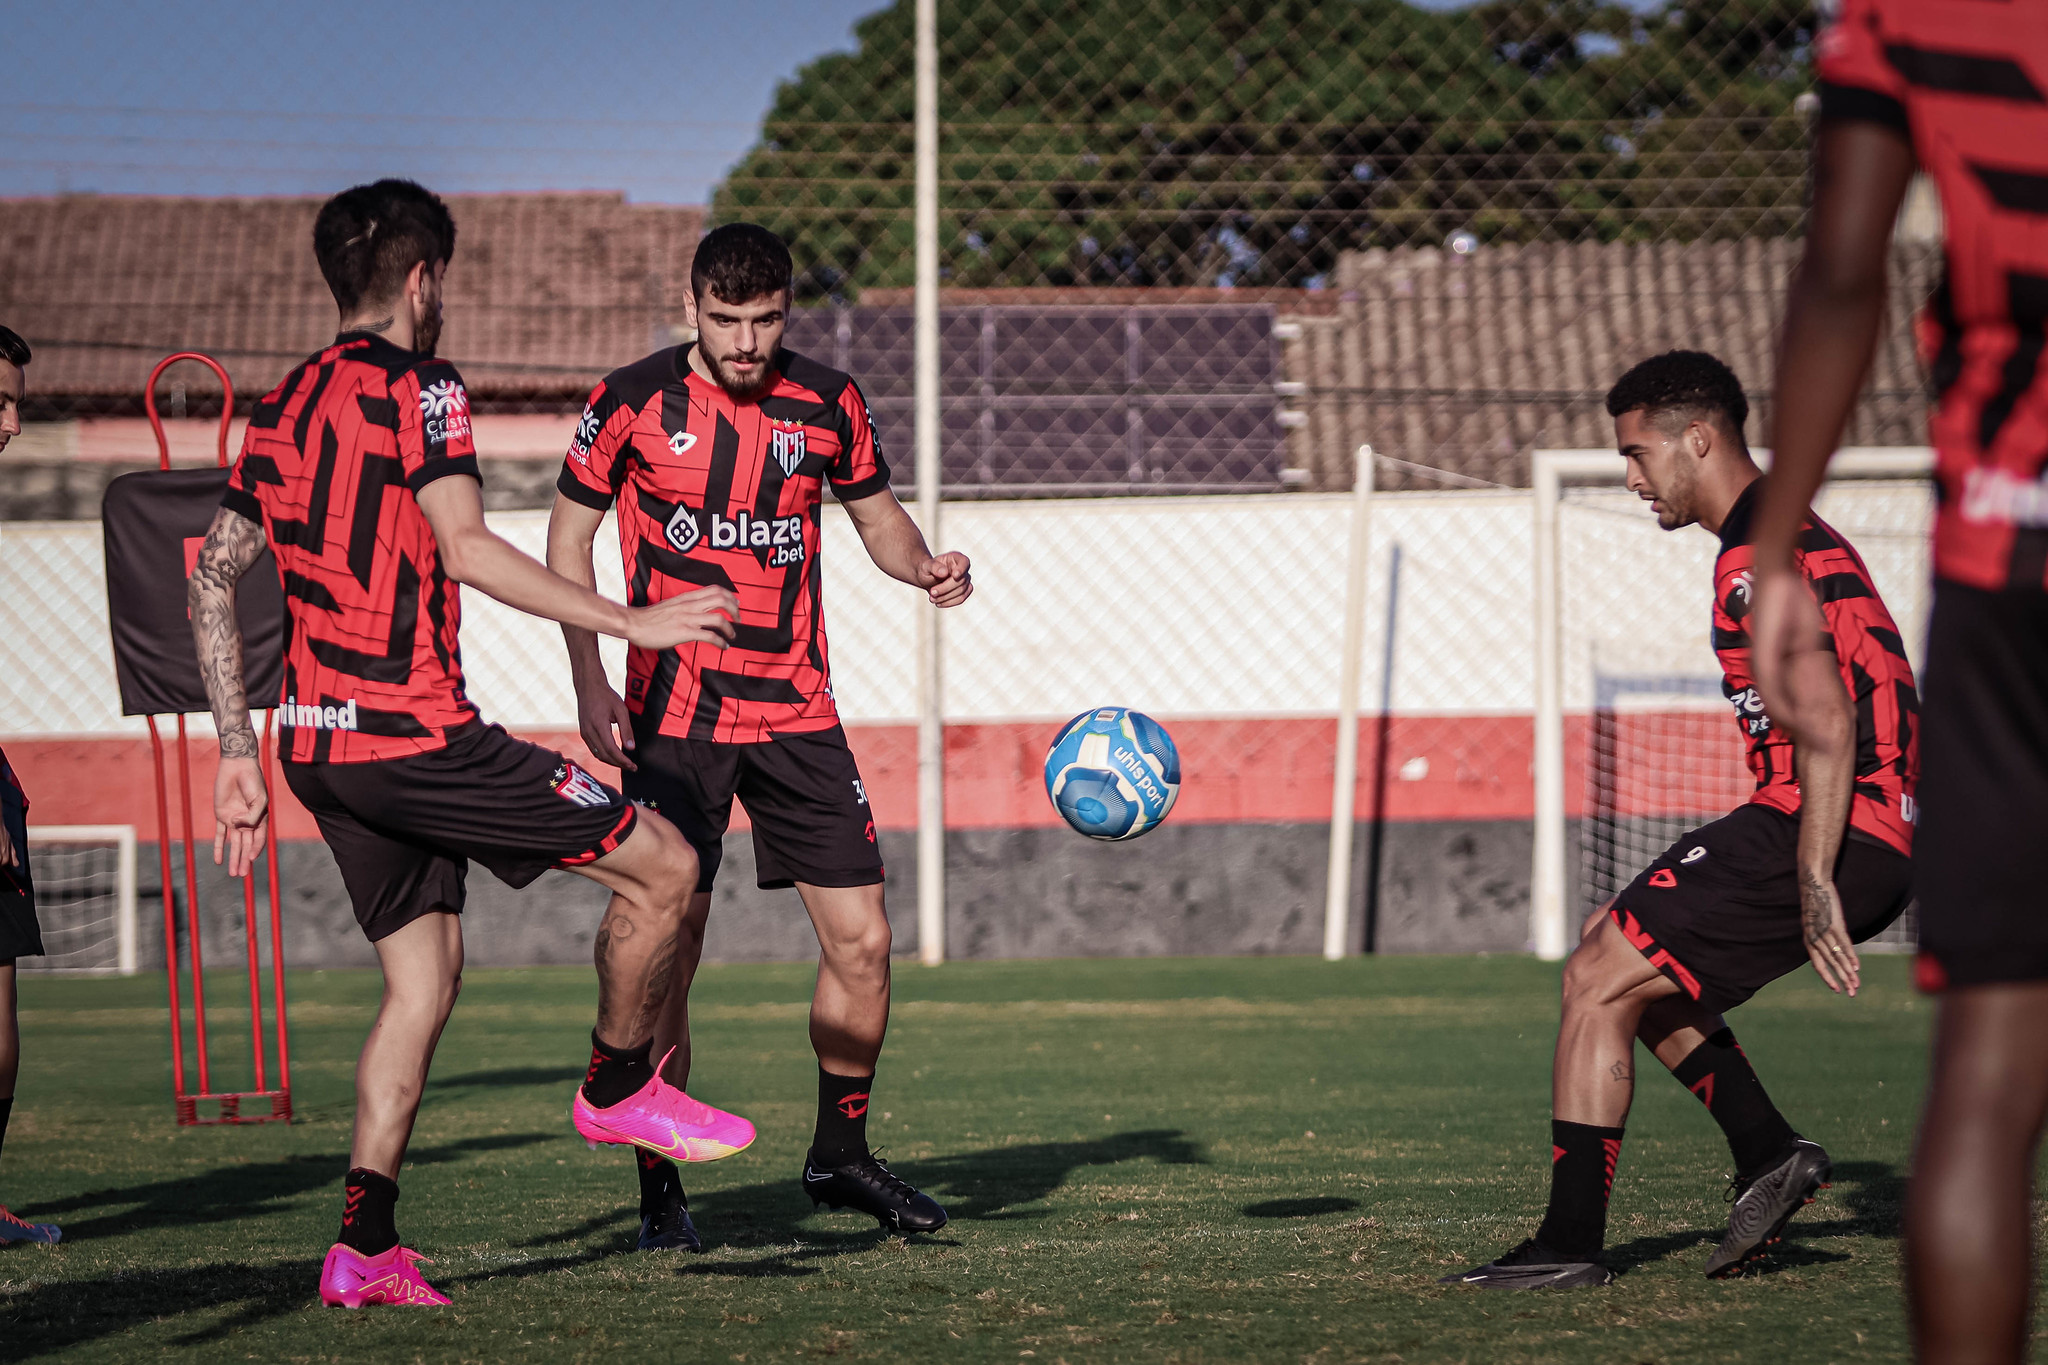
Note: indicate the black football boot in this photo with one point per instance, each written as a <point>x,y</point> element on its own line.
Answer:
<point>668,1227</point>
<point>1533,1265</point>
<point>867,1185</point>
<point>1765,1203</point>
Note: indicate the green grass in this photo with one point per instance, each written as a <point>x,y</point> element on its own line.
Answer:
<point>1266,1160</point>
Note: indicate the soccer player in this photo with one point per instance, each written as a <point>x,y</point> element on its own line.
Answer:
<point>1960,92</point>
<point>715,455</point>
<point>360,473</point>
<point>20,934</point>
<point>1816,861</point>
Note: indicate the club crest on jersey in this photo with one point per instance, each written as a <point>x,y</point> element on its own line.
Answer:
<point>445,407</point>
<point>577,787</point>
<point>680,443</point>
<point>788,448</point>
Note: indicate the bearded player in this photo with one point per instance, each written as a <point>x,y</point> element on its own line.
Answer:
<point>716,455</point>
<point>360,473</point>
<point>1816,861</point>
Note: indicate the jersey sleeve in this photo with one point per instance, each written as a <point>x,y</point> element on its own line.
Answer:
<point>1857,79</point>
<point>860,471</point>
<point>434,436</point>
<point>240,495</point>
<point>595,467</point>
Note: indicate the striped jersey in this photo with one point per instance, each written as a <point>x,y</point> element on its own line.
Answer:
<point>1868,649</point>
<point>1968,84</point>
<point>330,464</point>
<point>717,491</point>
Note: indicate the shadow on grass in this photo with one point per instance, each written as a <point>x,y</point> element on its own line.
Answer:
<point>510,1076</point>
<point>227,1193</point>
<point>46,1318</point>
<point>994,1185</point>
<point>1298,1208</point>
<point>1874,1192</point>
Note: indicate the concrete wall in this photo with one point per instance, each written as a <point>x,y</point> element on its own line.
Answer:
<point>1194,890</point>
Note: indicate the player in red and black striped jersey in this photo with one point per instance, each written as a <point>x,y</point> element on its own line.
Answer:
<point>1816,861</point>
<point>1958,91</point>
<point>716,456</point>
<point>359,471</point>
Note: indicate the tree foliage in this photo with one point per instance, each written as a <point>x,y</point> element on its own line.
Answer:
<point>1206,142</point>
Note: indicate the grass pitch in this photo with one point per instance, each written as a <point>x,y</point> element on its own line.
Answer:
<point>1177,1160</point>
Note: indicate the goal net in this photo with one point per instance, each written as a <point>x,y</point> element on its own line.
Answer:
<point>85,899</point>
<point>1649,746</point>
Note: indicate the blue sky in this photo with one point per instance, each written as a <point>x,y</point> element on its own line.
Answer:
<point>231,97</point>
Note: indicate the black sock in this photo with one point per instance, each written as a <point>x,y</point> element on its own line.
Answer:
<point>1721,1076</point>
<point>369,1208</point>
<point>6,1108</point>
<point>1582,1162</point>
<point>659,1181</point>
<point>842,1134</point>
<point>616,1072</point>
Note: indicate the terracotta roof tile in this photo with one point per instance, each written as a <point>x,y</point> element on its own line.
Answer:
<point>546,293</point>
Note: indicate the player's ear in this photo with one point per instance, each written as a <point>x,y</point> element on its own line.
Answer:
<point>1699,438</point>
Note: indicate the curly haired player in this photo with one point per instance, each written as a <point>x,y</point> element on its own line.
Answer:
<point>1815,862</point>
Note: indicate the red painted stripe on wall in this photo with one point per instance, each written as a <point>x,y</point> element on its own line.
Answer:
<point>1279,771</point>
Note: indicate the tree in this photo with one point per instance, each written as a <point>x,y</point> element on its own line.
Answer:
<point>1204,142</point>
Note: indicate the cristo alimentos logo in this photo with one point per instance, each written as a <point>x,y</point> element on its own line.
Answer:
<point>445,407</point>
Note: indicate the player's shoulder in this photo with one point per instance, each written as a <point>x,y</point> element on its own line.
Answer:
<point>814,377</point>
<point>634,385</point>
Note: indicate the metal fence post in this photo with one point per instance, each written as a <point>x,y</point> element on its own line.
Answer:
<point>931,734</point>
<point>1344,795</point>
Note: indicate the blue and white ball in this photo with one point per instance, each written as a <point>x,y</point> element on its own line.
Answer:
<point>1113,773</point>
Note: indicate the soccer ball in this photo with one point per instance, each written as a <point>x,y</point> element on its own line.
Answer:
<point>1112,773</point>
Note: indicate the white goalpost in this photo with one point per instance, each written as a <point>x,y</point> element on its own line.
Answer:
<point>1633,741</point>
<point>85,899</point>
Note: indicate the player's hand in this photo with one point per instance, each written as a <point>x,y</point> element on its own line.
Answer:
<point>702,617</point>
<point>6,848</point>
<point>1827,937</point>
<point>600,712</point>
<point>946,578</point>
<point>1784,621</point>
<point>240,806</point>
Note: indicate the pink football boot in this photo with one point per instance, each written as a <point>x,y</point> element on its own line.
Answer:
<point>663,1120</point>
<point>350,1279</point>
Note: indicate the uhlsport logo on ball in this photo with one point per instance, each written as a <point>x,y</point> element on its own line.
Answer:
<point>1113,773</point>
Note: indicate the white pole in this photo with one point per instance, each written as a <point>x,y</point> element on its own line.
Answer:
<point>1344,796</point>
<point>1546,874</point>
<point>931,734</point>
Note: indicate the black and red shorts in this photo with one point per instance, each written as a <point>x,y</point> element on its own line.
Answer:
<point>1718,911</point>
<point>403,830</point>
<point>803,793</point>
<point>1980,864</point>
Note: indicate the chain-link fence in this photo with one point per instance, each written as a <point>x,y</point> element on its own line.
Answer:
<point>1184,248</point>
<point>1230,145</point>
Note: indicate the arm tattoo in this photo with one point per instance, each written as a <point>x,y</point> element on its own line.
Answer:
<point>232,544</point>
<point>1815,912</point>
